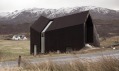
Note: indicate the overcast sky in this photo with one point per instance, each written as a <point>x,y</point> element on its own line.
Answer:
<point>12,5</point>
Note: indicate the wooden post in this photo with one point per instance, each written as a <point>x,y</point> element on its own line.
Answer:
<point>19,61</point>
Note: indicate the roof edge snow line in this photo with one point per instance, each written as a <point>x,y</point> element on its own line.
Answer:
<point>48,25</point>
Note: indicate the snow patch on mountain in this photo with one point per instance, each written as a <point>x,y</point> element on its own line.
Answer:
<point>32,14</point>
<point>41,10</point>
<point>10,14</point>
<point>96,9</point>
<point>4,14</point>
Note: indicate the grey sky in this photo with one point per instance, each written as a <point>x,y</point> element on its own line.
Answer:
<point>11,5</point>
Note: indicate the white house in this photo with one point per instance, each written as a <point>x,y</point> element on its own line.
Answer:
<point>19,37</point>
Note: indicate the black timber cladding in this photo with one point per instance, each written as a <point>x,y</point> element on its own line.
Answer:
<point>65,38</point>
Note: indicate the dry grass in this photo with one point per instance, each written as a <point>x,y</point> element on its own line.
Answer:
<point>10,50</point>
<point>10,69</point>
<point>110,41</point>
<point>102,64</point>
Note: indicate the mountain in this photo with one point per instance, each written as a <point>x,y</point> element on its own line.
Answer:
<point>20,20</point>
<point>30,15</point>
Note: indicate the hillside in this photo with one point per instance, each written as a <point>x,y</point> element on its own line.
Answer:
<point>19,21</point>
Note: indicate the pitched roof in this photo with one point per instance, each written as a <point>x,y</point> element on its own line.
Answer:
<point>67,21</point>
<point>60,22</point>
<point>40,24</point>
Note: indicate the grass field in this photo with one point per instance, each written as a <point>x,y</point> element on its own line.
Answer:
<point>10,50</point>
<point>110,41</point>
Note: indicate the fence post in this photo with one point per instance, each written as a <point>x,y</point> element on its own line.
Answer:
<point>19,61</point>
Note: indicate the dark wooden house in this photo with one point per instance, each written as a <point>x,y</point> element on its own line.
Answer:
<point>70,32</point>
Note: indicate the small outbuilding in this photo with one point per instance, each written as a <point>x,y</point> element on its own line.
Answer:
<point>69,32</point>
<point>19,37</point>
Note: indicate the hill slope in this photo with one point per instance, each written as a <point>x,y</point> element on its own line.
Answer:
<point>19,21</point>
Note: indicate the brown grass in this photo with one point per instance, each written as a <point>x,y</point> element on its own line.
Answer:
<point>102,64</point>
<point>10,50</point>
<point>110,41</point>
